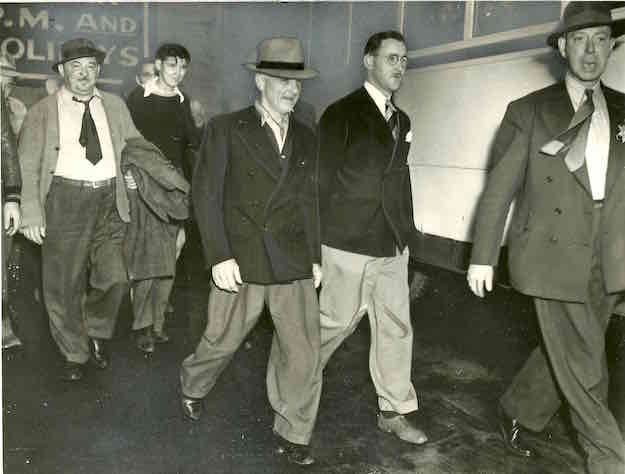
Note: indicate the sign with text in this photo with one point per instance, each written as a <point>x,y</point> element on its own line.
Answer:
<point>33,34</point>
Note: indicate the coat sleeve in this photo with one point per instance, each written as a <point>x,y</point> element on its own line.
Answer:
<point>332,144</point>
<point>510,155</point>
<point>30,156</point>
<point>208,193</point>
<point>11,177</point>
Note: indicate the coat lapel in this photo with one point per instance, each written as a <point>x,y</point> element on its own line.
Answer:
<point>557,114</point>
<point>255,138</point>
<point>616,158</point>
<point>372,115</point>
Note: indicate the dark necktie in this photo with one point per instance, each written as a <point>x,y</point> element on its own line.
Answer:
<point>576,134</point>
<point>392,117</point>
<point>88,134</point>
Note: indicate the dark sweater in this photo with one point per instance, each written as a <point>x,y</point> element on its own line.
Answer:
<point>166,122</point>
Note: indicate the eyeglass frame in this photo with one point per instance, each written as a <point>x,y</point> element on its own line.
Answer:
<point>395,59</point>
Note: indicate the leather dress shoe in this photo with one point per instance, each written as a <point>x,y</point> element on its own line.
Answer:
<point>160,337</point>
<point>192,408</point>
<point>510,430</point>
<point>99,356</point>
<point>72,371</point>
<point>145,340</point>
<point>402,428</point>
<point>295,453</point>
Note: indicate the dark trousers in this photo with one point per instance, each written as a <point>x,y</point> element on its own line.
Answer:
<point>84,273</point>
<point>293,370</point>
<point>572,366</point>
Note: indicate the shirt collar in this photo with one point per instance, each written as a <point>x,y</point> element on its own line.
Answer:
<point>66,94</point>
<point>150,87</point>
<point>265,117</point>
<point>379,97</point>
<point>577,90</point>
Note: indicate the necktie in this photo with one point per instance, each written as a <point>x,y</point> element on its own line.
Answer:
<point>391,116</point>
<point>88,134</point>
<point>576,133</point>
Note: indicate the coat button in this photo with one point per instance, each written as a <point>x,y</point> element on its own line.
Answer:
<point>251,173</point>
<point>553,239</point>
<point>549,179</point>
<point>557,210</point>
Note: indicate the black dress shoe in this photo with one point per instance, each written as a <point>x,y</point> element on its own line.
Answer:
<point>145,340</point>
<point>160,337</point>
<point>295,453</point>
<point>192,408</point>
<point>510,429</point>
<point>72,371</point>
<point>99,356</point>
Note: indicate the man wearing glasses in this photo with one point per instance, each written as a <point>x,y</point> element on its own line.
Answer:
<point>366,222</point>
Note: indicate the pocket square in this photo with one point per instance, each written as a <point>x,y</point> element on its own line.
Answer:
<point>409,136</point>
<point>552,148</point>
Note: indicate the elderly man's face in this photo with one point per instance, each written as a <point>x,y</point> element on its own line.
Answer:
<point>278,94</point>
<point>80,75</point>
<point>587,52</point>
<point>387,66</point>
<point>147,73</point>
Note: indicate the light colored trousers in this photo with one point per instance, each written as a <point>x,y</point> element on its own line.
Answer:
<point>353,285</point>
<point>293,369</point>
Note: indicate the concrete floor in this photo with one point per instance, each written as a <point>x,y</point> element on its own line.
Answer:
<point>127,419</point>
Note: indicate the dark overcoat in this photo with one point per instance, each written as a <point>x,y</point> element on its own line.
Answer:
<point>254,206</point>
<point>364,179</point>
<point>549,239</point>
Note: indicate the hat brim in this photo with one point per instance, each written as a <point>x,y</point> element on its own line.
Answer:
<point>300,74</point>
<point>98,55</point>
<point>618,29</point>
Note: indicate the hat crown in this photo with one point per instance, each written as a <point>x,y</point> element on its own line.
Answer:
<point>77,45</point>
<point>281,50</point>
<point>584,13</point>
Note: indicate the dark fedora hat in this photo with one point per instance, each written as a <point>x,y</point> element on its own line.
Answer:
<point>78,48</point>
<point>579,15</point>
<point>281,57</point>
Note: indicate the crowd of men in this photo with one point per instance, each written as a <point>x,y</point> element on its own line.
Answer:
<point>314,225</point>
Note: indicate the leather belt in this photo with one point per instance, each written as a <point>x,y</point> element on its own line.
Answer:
<point>85,184</point>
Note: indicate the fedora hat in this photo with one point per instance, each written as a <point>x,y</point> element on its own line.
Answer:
<point>281,57</point>
<point>78,48</point>
<point>579,15</point>
<point>7,66</point>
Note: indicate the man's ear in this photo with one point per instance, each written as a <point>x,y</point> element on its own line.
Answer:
<point>61,69</point>
<point>368,61</point>
<point>157,65</point>
<point>562,46</point>
<point>259,79</point>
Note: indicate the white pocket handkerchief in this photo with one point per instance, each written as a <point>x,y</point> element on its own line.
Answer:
<point>552,148</point>
<point>409,136</point>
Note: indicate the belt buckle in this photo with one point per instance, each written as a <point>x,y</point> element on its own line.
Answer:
<point>93,184</point>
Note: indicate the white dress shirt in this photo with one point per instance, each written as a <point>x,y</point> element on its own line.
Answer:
<point>278,131</point>
<point>72,161</point>
<point>598,143</point>
<point>150,87</point>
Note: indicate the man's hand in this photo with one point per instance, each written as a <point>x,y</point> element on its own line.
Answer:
<point>34,233</point>
<point>480,276</point>
<point>317,274</point>
<point>226,275</point>
<point>130,180</point>
<point>12,217</point>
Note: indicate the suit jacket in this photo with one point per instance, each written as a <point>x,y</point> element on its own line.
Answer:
<point>11,179</point>
<point>38,151</point>
<point>549,241</point>
<point>364,180</point>
<point>250,207</point>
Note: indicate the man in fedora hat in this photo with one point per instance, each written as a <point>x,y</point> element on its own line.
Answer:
<point>74,204</point>
<point>560,153</point>
<point>255,200</point>
<point>366,224</point>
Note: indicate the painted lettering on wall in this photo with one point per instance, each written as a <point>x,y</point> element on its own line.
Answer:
<point>33,34</point>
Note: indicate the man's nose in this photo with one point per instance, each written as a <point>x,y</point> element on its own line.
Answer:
<point>590,46</point>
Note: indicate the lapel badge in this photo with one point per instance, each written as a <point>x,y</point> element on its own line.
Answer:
<point>620,136</point>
